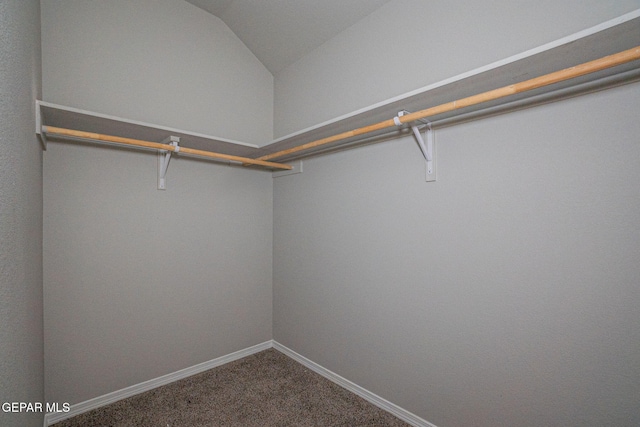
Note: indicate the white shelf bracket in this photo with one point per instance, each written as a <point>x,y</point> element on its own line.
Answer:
<point>427,148</point>
<point>163,161</point>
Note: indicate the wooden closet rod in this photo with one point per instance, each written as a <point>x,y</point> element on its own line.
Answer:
<point>527,85</point>
<point>50,130</point>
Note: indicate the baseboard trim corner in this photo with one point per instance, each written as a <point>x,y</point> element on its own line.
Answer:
<point>373,398</point>
<point>97,402</point>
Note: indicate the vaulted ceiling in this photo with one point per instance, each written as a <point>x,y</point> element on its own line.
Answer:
<point>279,32</point>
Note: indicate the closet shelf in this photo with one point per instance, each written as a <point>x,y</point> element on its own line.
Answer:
<point>73,118</point>
<point>377,121</point>
<point>57,121</point>
<point>608,38</point>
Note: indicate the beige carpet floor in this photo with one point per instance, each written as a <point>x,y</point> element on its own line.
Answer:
<point>264,389</point>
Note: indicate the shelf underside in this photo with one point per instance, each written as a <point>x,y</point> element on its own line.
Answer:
<point>71,118</point>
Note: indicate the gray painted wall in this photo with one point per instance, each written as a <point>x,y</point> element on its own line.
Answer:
<point>160,61</point>
<point>506,293</point>
<point>21,330</point>
<point>138,282</point>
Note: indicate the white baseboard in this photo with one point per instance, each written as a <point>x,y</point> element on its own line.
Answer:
<point>112,397</point>
<point>392,408</point>
<point>88,405</point>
